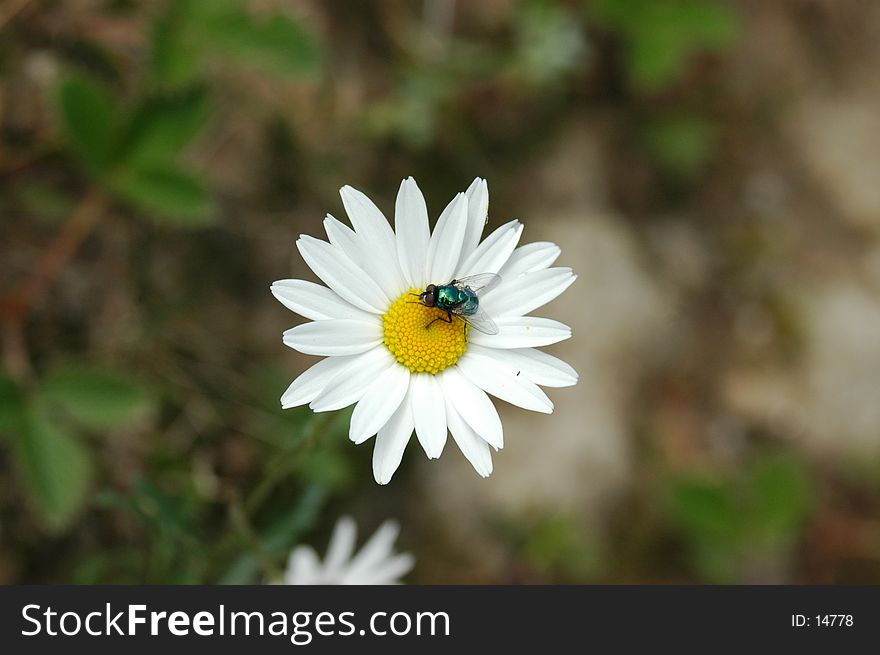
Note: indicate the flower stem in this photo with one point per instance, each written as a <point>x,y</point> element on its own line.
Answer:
<point>15,308</point>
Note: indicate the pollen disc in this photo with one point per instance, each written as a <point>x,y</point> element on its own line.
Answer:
<point>423,348</point>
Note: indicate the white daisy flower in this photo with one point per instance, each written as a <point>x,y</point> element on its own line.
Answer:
<point>375,564</point>
<point>414,367</point>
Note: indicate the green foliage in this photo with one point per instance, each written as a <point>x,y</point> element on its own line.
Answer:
<point>166,513</point>
<point>56,467</point>
<point>96,398</point>
<point>89,116</point>
<point>168,194</point>
<point>277,43</point>
<point>412,113</point>
<point>706,513</point>
<point>781,499</point>
<point>725,519</point>
<point>12,406</point>
<point>274,541</point>
<point>550,42</point>
<point>327,467</point>
<point>135,152</point>
<point>163,125</point>
<point>116,566</point>
<point>662,35</point>
<point>558,545</point>
<point>681,143</point>
<point>705,509</point>
<point>175,59</point>
<point>192,31</point>
<point>176,552</point>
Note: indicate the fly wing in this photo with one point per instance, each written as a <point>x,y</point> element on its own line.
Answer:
<point>479,320</point>
<point>481,282</point>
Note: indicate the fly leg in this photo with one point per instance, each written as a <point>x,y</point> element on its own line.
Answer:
<point>448,319</point>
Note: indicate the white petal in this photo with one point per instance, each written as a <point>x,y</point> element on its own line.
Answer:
<point>413,233</point>
<point>429,413</point>
<point>475,449</point>
<point>495,250</point>
<point>351,384</point>
<point>389,571</point>
<point>526,293</point>
<point>314,301</point>
<point>343,237</point>
<point>391,442</point>
<point>502,382</point>
<point>473,405</point>
<point>337,336</point>
<point>379,402</point>
<point>522,332</point>
<point>313,380</point>
<point>537,366</point>
<point>530,257</point>
<point>444,248</point>
<point>380,547</point>
<point>303,567</point>
<point>367,219</point>
<point>377,238</point>
<point>341,546</point>
<point>342,275</point>
<point>478,208</point>
<point>363,254</point>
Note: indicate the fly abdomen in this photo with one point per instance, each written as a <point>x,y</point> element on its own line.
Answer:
<point>471,305</point>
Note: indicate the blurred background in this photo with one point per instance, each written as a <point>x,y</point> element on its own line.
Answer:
<point>711,169</point>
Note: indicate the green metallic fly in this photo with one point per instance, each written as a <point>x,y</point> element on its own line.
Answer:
<point>460,298</point>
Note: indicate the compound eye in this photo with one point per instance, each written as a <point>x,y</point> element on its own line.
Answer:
<point>430,297</point>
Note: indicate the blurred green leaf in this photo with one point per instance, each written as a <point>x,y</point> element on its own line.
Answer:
<point>111,566</point>
<point>411,113</point>
<point>704,508</point>
<point>706,511</point>
<point>758,511</point>
<point>168,514</point>
<point>175,58</point>
<point>680,143</point>
<point>278,43</point>
<point>193,29</point>
<point>162,126</point>
<point>280,534</point>
<point>558,544</point>
<point>550,42</point>
<point>717,561</point>
<point>94,397</point>
<point>782,497</point>
<point>175,554</point>
<point>167,193</point>
<point>56,468</point>
<point>328,467</point>
<point>88,115</point>
<point>12,406</point>
<point>661,35</point>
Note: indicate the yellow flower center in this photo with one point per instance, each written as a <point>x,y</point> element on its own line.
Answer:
<point>421,347</point>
